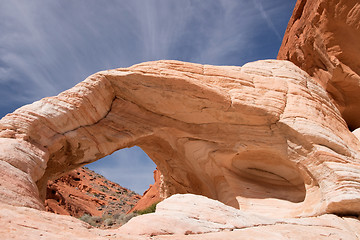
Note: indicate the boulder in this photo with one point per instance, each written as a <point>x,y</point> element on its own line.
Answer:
<point>182,216</point>
<point>199,217</point>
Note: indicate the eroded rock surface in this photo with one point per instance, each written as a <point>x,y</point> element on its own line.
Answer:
<point>83,191</point>
<point>194,214</point>
<point>264,137</point>
<point>322,38</point>
<point>151,195</point>
<point>178,217</point>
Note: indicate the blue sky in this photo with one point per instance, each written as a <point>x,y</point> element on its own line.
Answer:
<point>47,46</point>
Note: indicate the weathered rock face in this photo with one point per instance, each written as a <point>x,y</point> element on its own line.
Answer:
<point>322,38</point>
<point>194,214</point>
<point>178,217</point>
<point>83,191</point>
<point>151,195</point>
<point>263,138</point>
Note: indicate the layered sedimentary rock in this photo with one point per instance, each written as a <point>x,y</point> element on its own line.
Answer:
<point>263,138</point>
<point>83,191</point>
<point>322,38</point>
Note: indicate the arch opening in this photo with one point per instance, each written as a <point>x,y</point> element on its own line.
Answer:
<point>105,193</point>
<point>130,167</point>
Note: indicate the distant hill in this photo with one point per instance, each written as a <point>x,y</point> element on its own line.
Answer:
<point>84,194</point>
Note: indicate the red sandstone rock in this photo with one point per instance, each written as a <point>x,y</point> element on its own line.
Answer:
<point>83,191</point>
<point>323,38</point>
<point>151,195</point>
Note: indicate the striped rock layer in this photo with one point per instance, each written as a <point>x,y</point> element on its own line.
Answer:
<point>263,138</point>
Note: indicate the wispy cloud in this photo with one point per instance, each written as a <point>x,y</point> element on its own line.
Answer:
<point>48,46</point>
<point>267,18</point>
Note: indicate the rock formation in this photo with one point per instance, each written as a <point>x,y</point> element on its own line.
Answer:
<point>83,191</point>
<point>178,217</point>
<point>151,195</point>
<point>208,130</point>
<point>322,38</point>
<point>267,140</point>
<point>212,139</point>
<point>194,214</point>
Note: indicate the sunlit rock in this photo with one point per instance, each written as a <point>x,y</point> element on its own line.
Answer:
<point>263,138</point>
<point>322,38</point>
<point>267,145</point>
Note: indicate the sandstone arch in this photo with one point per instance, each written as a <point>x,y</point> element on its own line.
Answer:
<point>213,131</point>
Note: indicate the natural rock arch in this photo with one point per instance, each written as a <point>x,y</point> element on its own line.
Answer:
<point>264,132</point>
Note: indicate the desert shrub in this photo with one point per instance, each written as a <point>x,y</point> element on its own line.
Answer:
<point>92,220</point>
<point>150,209</point>
<point>86,217</point>
<point>108,220</point>
<point>121,219</point>
<point>95,221</point>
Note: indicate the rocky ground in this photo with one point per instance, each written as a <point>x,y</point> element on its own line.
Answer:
<point>91,197</point>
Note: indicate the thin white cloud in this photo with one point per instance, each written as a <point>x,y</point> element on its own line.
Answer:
<point>48,46</point>
<point>267,18</point>
<point>21,41</point>
<point>228,32</point>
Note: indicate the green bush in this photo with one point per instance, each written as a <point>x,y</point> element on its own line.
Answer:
<point>108,220</point>
<point>150,209</point>
<point>124,218</point>
<point>94,221</point>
